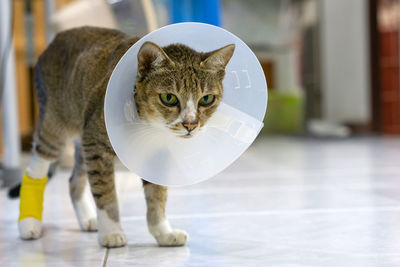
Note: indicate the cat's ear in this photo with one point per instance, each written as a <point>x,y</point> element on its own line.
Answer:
<point>150,56</point>
<point>218,59</point>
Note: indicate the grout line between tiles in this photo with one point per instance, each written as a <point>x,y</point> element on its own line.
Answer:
<point>263,213</point>
<point>273,212</point>
<point>106,257</point>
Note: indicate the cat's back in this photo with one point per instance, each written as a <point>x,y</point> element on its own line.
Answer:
<point>74,70</point>
<point>87,51</point>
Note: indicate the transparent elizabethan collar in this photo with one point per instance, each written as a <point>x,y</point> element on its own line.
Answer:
<point>163,158</point>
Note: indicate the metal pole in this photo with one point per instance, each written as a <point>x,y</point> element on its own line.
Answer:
<point>50,8</point>
<point>11,138</point>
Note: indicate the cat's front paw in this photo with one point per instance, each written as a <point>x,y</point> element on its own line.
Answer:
<point>113,240</point>
<point>110,231</point>
<point>30,228</point>
<point>174,238</point>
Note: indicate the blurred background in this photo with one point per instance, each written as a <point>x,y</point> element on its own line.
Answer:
<point>332,66</point>
<point>320,185</point>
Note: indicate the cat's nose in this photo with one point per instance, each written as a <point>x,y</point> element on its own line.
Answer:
<point>190,126</point>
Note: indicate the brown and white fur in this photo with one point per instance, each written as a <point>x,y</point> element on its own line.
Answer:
<point>71,77</point>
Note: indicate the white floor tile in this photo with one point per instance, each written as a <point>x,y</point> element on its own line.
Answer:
<point>285,202</point>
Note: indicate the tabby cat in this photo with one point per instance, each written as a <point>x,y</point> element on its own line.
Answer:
<point>176,87</point>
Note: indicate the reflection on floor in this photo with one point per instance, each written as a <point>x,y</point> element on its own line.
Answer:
<point>285,202</point>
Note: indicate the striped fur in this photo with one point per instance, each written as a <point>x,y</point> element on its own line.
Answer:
<point>71,77</point>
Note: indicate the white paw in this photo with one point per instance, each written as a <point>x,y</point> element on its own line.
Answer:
<point>88,225</point>
<point>172,239</point>
<point>113,240</point>
<point>85,213</point>
<point>30,228</point>
<point>111,234</point>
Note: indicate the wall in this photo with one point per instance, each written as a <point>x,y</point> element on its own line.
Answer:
<point>345,64</point>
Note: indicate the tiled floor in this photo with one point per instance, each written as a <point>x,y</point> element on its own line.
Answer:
<point>285,202</point>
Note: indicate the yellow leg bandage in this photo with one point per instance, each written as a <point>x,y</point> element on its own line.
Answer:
<point>31,197</point>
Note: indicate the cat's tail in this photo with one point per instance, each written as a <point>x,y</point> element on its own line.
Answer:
<point>14,191</point>
<point>41,95</point>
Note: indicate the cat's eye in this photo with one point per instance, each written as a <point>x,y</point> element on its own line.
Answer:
<point>169,100</point>
<point>206,100</point>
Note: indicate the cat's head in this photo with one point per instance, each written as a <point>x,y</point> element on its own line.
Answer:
<point>177,88</point>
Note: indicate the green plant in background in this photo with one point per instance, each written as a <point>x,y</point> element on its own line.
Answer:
<point>285,113</point>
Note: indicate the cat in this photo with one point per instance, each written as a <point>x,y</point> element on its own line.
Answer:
<point>176,87</point>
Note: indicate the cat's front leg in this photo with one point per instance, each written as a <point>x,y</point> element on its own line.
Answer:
<point>159,227</point>
<point>100,168</point>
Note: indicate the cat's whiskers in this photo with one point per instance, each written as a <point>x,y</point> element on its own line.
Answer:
<point>176,133</point>
<point>140,131</point>
<point>217,126</point>
<point>140,136</point>
<point>135,123</point>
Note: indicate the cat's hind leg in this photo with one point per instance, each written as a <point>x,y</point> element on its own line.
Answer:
<point>80,193</point>
<point>48,143</point>
<point>159,227</point>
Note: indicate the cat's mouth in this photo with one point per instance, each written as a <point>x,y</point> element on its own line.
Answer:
<point>188,135</point>
<point>183,134</point>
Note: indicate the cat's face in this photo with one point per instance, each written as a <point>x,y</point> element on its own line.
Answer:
<point>177,88</point>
